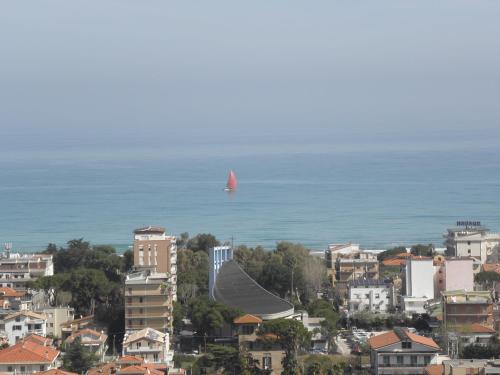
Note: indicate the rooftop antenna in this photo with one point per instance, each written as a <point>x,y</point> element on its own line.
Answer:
<point>7,247</point>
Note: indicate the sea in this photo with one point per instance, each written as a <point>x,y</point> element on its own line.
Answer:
<point>376,199</point>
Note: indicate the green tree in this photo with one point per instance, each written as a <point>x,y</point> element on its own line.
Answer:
<point>78,358</point>
<point>202,242</point>
<point>422,250</point>
<point>391,253</point>
<point>128,260</point>
<point>314,369</point>
<point>292,336</point>
<point>487,278</point>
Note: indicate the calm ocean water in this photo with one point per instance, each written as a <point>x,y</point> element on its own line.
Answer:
<point>375,199</point>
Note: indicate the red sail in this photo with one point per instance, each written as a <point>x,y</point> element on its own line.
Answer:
<point>231,181</point>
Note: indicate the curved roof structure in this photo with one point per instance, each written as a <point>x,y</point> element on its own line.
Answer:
<point>233,287</point>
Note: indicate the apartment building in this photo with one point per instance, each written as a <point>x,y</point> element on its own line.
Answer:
<point>471,239</point>
<point>265,351</point>
<point>401,352</point>
<point>153,248</point>
<point>94,340</point>
<point>454,274</point>
<point>151,345</point>
<point>371,295</point>
<point>419,283</point>
<point>148,301</point>
<point>17,269</point>
<point>23,323</point>
<point>56,316</point>
<point>463,308</point>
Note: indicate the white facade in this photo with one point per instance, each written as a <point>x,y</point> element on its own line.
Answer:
<point>149,344</point>
<point>474,241</point>
<point>24,323</point>
<point>218,256</point>
<point>419,275</point>
<point>17,269</point>
<point>371,295</point>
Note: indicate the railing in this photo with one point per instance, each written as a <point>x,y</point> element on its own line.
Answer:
<point>405,365</point>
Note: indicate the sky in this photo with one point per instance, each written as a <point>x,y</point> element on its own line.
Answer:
<point>155,77</point>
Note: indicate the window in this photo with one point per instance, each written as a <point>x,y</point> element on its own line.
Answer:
<point>18,319</point>
<point>427,359</point>
<point>138,345</point>
<point>42,368</point>
<point>413,360</point>
<point>51,325</point>
<point>377,295</point>
<point>141,322</point>
<point>367,295</point>
<point>247,329</point>
<point>400,359</point>
<point>23,368</point>
<point>130,323</point>
<point>468,251</point>
<point>155,357</point>
<point>10,369</point>
<point>129,300</point>
<point>16,328</point>
<point>130,290</point>
<point>468,243</point>
<point>386,359</point>
<point>406,345</point>
<point>38,326</point>
<point>266,361</point>
<point>141,299</point>
<point>141,311</point>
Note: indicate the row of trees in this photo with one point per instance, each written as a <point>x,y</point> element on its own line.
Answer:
<point>418,250</point>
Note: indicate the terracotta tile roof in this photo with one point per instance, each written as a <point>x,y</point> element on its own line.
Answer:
<point>247,319</point>
<point>392,337</point>
<point>382,340</point>
<point>56,372</point>
<point>9,292</point>
<point>28,352</point>
<point>84,319</point>
<point>149,334</point>
<point>99,337</point>
<point>393,262</point>
<point>422,340</point>
<point>139,370</point>
<point>479,328</point>
<point>495,267</point>
<point>40,340</point>
<point>30,314</point>
<point>434,370</point>
<point>107,369</point>
<point>129,359</point>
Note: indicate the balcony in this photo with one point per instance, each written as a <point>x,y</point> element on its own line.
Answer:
<point>143,349</point>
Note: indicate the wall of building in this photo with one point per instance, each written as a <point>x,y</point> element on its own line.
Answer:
<point>420,278</point>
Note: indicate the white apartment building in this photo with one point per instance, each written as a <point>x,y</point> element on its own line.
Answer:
<point>371,295</point>
<point>149,344</point>
<point>217,257</point>
<point>16,269</point>
<point>419,282</point>
<point>24,323</point>
<point>401,352</point>
<point>470,239</point>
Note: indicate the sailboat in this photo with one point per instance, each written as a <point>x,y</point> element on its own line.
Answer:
<point>232,183</point>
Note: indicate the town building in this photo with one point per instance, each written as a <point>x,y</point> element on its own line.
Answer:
<point>74,325</point>
<point>150,345</point>
<point>233,287</point>
<point>27,357</point>
<point>154,248</point>
<point>464,367</point>
<point>471,239</point>
<point>419,283</point>
<point>14,299</point>
<point>56,371</point>
<point>91,339</point>
<point>217,257</point>
<point>23,323</point>
<point>463,308</point>
<point>401,352</point>
<point>56,316</point>
<point>17,269</point>
<point>371,295</point>
<point>454,274</point>
<point>148,301</point>
<point>265,350</point>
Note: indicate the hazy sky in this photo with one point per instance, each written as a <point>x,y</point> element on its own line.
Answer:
<point>118,75</point>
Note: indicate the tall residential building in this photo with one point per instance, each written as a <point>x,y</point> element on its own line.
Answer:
<point>148,301</point>
<point>154,249</point>
<point>471,239</point>
<point>461,309</point>
<point>218,256</point>
<point>454,274</point>
<point>151,290</point>
<point>16,269</point>
<point>419,277</point>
